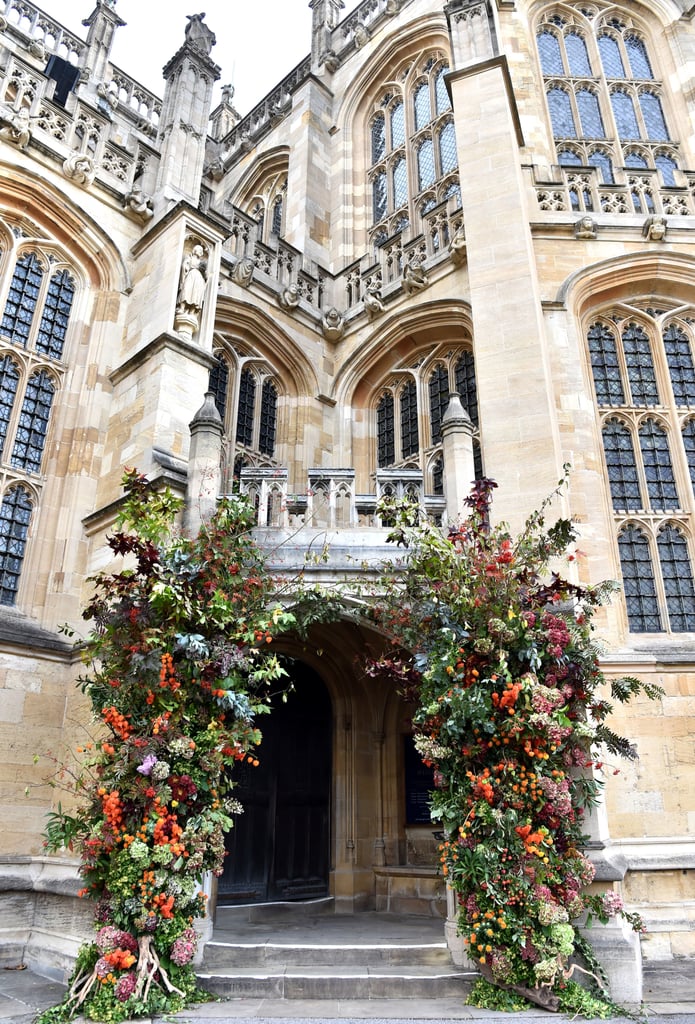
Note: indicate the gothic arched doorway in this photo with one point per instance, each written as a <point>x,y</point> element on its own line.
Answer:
<point>279,847</point>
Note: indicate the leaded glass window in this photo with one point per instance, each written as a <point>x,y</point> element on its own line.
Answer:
<point>379,196</point>
<point>421,102</point>
<point>219,385</point>
<point>689,446</point>
<point>605,366</point>
<point>577,56</point>
<point>15,517</point>
<point>400,183</point>
<point>9,382</point>
<point>667,165</point>
<point>600,159</point>
<point>22,299</point>
<point>639,584</point>
<point>611,58</point>
<point>624,113</point>
<point>466,385</point>
<point>568,158</point>
<point>397,125</point>
<point>55,315</point>
<point>447,148</point>
<point>677,574</point>
<point>681,368</point>
<point>378,139</point>
<point>590,115</point>
<point>425,165</point>
<point>640,366</point>
<point>442,101</point>
<point>636,160</point>
<point>621,464</point>
<point>561,114</point>
<point>653,116</point>
<point>438,477</point>
<point>658,469</point>
<point>410,435</point>
<point>30,437</point>
<point>637,55</point>
<point>246,408</point>
<point>439,400</point>
<point>268,424</point>
<point>386,441</point>
<point>276,224</point>
<point>549,53</point>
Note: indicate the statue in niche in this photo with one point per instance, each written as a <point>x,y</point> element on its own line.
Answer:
<point>198,35</point>
<point>586,229</point>
<point>16,128</point>
<point>289,297</point>
<point>243,272</point>
<point>333,325</point>
<point>193,280</point>
<point>414,278</point>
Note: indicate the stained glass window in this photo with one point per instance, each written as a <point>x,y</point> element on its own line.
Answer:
<point>268,423</point>
<point>15,517</point>
<point>425,165</point>
<point>466,386</point>
<point>637,55</point>
<point>219,383</point>
<point>448,158</point>
<point>689,445</point>
<point>549,52</point>
<point>640,366</point>
<point>658,469</point>
<point>677,574</point>
<point>568,158</point>
<point>385,428</point>
<point>611,58</point>
<point>22,298</point>
<point>680,365</point>
<point>638,581</point>
<point>577,56</point>
<point>378,139</point>
<point>422,108</point>
<point>56,313</point>
<point>625,117</point>
<point>653,116</point>
<point>32,428</point>
<point>561,114</point>
<point>439,400</point>
<point>397,125</point>
<point>400,183</point>
<point>246,408</point>
<point>410,435</point>
<point>636,160</point>
<point>605,366</point>
<point>590,115</point>
<point>622,466</point>
<point>9,380</point>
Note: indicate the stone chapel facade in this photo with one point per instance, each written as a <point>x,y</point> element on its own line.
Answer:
<point>487,199</point>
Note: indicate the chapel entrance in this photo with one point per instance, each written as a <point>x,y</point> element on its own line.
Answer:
<point>279,847</point>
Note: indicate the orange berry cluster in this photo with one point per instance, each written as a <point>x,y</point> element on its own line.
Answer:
<point>112,808</point>
<point>120,959</point>
<point>262,635</point>
<point>118,722</point>
<point>484,931</point>
<point>508,698</point>
<point>167,674</point>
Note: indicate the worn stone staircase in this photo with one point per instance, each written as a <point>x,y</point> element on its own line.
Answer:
<point>299,951</point>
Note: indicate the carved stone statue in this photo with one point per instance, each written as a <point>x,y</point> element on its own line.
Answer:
<point>139,205</point>
<point>457,247</point>
<point>330,60</point>
<point>586,228</point>
<point>333,325</point>
<point>392,6</point>
<point>361,35</point>
<point>289,297</point>
<point>80,168</point>
<point>654,228</point>
<point>414,278</point>
<point>193,281</point>
<point>16,127</point>
<point>243,272</point>
<point>373,303</point>
<point>198,35</point>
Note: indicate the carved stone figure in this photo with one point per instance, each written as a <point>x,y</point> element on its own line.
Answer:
<point>361,36</point>
<point>80,168</point>
<point>139,205</point>
<point>457,247</point>
<point>289,297</point>
<point>393,6</point>
<point>107,95</point>
<point>243,272</point>
<point>414,278</point>
<point>330,61</point>
<point>373,303</point>
<point>333,325</point>
<point>198,35</point>
<point>654,229</point>
<point>37,49</point>
<point>16,128</point>
<point>586,228</point>
<point>193,281</point>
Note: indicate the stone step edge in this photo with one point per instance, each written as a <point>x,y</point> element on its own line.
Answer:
<point>367,947</point>
<point>323,972</point>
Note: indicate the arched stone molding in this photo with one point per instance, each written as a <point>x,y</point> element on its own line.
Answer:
<point>622,278</point>
<point>261,184</point>
<point>667,11</point>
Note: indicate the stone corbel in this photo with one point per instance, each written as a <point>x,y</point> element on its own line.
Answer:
<point>139,205</point>
<point>16,127</point>
<point>242,272</point>
<point>333,325</point>
<point>414,278</point>
<point>585,229</point>
<point>330,61</point>
<point>373,302</point>
<point>80,169</point>
<point>289,297</point>
<point>654,228</point>
<point>457,247</point>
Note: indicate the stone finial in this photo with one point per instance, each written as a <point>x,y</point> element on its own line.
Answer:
<point>80,169</point>
<point>198,35</point>
<point>242,273</point>
<point>333,325</point>
<point>16,127</point>
<point>414,278</point>
<point>586,228</point>
<point>654,228</point>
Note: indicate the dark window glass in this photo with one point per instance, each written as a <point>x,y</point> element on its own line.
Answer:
<point>638,581</point>
<point>689,445</point>
<point>268,424</point>
<point>667,165</point>
<point>653,116</point>
<point>385,429</point>
<point>590,115</point>
<point>438,477</point>
<point>379,197</point>
<point>22,298</point>
<point>425,165</point>
<point>378,139</point>
<point>561,114</point>
<point>677,575</point>
<point>680,365</point>
<point>423,114</point>
<point>276,225</point>
<point>9,380</point>
<point>622,466</point>
<point>33,423</point>
<point>477,460</point>
<point>245,411</point>
<point>15,516</point>
<point>637,55</point>
<point>656,457</point>
<point>400,183</point>
<point>605,366</point>
<point>219,383</point>
<point>610,57</point>
<point>624,112</point>
<point>441,93</point>
<point>466,385</point>
<point>549,52</point>
<point>410,435</point>
<point>603,162</point>
<point>439,399</point>
<point>640,366</point>
<point>397,125</point>
<point>447,148</point>
<point>577,55</point>
<point>55,315</point>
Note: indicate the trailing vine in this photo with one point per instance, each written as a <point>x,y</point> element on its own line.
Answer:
<point>495,650</point>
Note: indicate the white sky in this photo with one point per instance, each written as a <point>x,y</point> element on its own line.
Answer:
<point>258,41</point>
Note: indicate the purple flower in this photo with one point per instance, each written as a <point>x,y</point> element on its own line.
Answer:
<point>147,765</point>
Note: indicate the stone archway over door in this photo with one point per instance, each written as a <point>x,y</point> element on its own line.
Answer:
<point>279,847</point>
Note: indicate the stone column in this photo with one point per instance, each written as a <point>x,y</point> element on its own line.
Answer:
<point>204,466</point>
<point>459,467</point>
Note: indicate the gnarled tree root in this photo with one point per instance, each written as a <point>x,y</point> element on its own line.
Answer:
<point>541,996</point>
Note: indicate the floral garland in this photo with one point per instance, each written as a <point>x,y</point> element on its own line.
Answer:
<point>505,677</point>
<point>179,668</point>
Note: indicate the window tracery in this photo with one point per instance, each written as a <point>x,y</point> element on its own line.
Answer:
<point>601,85</point>
<point>643,368</point>
<point>407,180</point>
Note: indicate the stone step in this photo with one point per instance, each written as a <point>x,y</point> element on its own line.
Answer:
<point>264,954</point>
<point>348,982</point>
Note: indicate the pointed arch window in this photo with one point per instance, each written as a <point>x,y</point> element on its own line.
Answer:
<point>689,448</point>
<point>56,314</point>
<point>9,382</point>
<point>425,165</point>
<point>681,367</point>
<point>386,438</point>
<point>640,366</point>
<point>410,434</point>
<point>653,115</point>
<point>561,114</point>
<point>439,400</point>
<point>276,225</point>
<point>577,55</point>
<point>422,106</point>
<point>378,138</point>
<point>268,424</point>
<point>15,517</point>
<point>466,385</point>
<point>447,149</point>
<point>22,299</point>
<point>677,574</point>
<point>638,581</point>
<point>658,468</point>
<point>219,385</point>
<point>611,57</point>
<point>246,408</point>
<point>442,101</point>
<point>397,125</point>
<point>605,366</point>
<point>590,115</point>
<point>621,463</point>
<point>30,437</point>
